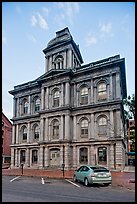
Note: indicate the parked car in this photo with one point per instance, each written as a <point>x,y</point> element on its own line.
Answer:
<point>93,174</point>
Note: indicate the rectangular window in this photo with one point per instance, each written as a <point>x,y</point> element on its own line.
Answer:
<point>36,136</point>
<point>84,100</point>
<point>34,156</point>
<point>56,102</point>
<point>24,136</point>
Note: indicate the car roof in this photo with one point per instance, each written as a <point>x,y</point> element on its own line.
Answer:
<point>90,166</point>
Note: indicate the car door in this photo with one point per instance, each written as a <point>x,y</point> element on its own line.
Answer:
<point>84,173</point>
<point>78,173</point>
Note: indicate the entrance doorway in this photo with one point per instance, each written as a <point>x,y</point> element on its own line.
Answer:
<point>54,157</point>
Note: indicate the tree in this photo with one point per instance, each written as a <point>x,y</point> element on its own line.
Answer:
<point>129,107</point>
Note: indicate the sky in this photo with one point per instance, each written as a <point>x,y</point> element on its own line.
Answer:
<point>101,29</point>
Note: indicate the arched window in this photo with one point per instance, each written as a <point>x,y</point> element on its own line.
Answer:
<point>25,107</point>
<point>84,96</point>
<point>24,133</point>
<point>37,104</point>
<point>58,63</point>
<point>102,155</point>
<point>55,127</point>
<point>34,156</point>
<point>84,128</point>
<point>102,91</point>
<point>22,156</point>
<point>36,132</point>
<point>102,126</point>
<point>56,98</point>
<point>83,155</point>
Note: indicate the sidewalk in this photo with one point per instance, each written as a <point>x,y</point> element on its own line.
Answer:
<point>124,179</point>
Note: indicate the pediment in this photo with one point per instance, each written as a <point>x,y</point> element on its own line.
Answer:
<point>52,73</point>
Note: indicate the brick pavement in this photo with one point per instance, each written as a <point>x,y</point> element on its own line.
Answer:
<point>122,179</point>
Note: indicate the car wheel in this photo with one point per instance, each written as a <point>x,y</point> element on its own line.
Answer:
<point>106,184</point>
<point>86,182</point>
<point>74,178</point>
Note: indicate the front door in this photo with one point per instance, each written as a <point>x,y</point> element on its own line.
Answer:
<point>55,157</point>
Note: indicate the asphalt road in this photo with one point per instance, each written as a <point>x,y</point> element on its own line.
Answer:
<point>30,189</point>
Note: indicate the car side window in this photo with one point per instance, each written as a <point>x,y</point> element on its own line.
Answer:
<point>80,169</point>
<point>85,168</point>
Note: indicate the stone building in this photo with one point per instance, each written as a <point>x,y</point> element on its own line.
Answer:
<point>72,114</point>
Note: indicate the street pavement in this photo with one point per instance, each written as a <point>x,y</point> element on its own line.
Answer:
<point>124,179</point>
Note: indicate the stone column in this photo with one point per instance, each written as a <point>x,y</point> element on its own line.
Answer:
<point>95,129</point>
<point>118,134</point>
<point>17,134</point>
<point>17,108</point>
<point>92,155</point>
<point>64,59</point>
<point>30,157</point>
<point>16,158</point>
<point>111,132</point>
<point>29,107</point>
<point>111,156</point>
<point>27,157</point>
<point>74,156</point>
<point>91,91</point>
<point>92,134</point>
<point>89,156</point>
<point>67,91</point>
<point>67,127</point>
<point>118,91</point>
<point>46,154</point>
<point>20,108</point>
<point>110,88</point>
<point>67,156</point>
<point>50,62</point>
<point>41,129</point>
<point>61,156</point>
<point>62,96</point>
<point>74,128</point>
<point>75,95</point>
<point>40,157</point>
<point>46,130</point>
<point>12,157</point>
<point>42,98</point>
<point>47,98</point>
<point>95,94</point>
<point>61,128</point>
<point>77,98</point>
<point>13,134</point>
<point>69,58</point>
<point>28,135</point>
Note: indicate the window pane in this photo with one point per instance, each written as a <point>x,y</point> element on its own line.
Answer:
<point>84,95</point>
<point>83,155</point>
<point>102,91</point>
<point>37,105</point>
<point>102,154</point>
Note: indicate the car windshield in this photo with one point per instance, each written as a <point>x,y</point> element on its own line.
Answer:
<point>99,169</point>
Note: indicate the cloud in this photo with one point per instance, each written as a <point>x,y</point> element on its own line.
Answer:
<point>42,22</point>
<point>33,20</point>
<point>45,10</point>
<point>68,11</point>
<point>39,20</point>
<point>90,39</point>
<point>105,27</point>
<point>32,38</point>
<point>4,40</point>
